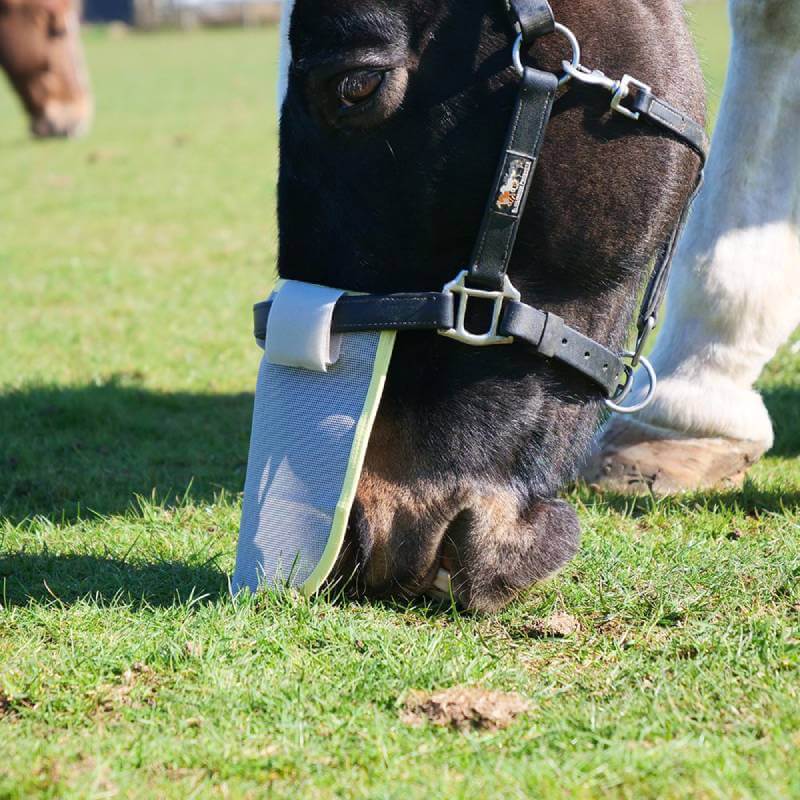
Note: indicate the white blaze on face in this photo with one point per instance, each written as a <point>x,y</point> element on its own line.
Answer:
<point>286,53</point>
<point>67,112</point>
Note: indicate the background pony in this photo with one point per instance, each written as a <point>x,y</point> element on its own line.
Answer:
<point>41,53</point>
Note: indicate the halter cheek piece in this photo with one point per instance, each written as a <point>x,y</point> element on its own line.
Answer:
<point>486,280</point>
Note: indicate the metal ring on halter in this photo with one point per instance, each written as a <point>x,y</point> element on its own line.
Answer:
<point>574,44</point>
<point>613,404</point>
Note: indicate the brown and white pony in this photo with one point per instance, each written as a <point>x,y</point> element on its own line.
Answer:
<point>734,298</point>
<point>42,55</point>
<point>394,116</point>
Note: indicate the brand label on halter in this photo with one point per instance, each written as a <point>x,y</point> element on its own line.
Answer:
<point>516,174</point>
<point>311,427</point>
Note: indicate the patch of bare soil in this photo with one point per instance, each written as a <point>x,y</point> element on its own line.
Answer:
<point>464,708</point>
<point>10,707</point>
<point>111,697</point>
<point>6,706</point>
<point>556,626</point>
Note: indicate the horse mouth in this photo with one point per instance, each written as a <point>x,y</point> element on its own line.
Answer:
<point>62,121</point>
<point>479,554</point>
<point>44,128</point>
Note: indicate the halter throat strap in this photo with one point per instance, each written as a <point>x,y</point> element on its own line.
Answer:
<point>546,334</point>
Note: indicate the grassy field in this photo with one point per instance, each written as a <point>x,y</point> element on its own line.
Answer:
<point>128,263</point>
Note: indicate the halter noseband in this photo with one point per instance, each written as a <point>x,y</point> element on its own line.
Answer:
<point>487,279</point>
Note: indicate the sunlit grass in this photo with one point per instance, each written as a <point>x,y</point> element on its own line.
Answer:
<point>128,264</point>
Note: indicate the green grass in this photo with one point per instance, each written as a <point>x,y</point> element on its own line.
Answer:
<point>710,24</point>
<point>128,263</point>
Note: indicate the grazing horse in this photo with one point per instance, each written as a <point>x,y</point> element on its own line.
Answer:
<point>41,52</point>
<point>393,119</point>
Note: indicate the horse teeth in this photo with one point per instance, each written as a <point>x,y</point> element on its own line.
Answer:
<point>442,582</point>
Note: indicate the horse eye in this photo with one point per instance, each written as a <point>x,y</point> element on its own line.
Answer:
<point>357,87</point>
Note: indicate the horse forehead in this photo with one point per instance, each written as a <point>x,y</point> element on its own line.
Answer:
<point>55,7</point>
<point>344,20</point>
<point>46,5</point>
<point>375,8</point>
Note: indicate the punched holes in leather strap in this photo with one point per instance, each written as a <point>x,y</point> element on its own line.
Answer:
<point>553,338</point>
<point>534,17</point>
<point>587,356</point>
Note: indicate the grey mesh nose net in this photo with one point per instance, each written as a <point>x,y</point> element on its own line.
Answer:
<point>316,401</point>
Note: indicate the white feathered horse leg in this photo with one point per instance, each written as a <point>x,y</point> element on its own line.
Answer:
<point>735,296</point>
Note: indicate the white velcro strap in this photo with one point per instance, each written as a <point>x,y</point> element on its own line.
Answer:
<point>299,327</point>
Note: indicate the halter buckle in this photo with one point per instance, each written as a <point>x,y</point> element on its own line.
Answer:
<point>463,294</point>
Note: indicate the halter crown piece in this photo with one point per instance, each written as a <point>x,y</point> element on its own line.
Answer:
<point>486,280</point>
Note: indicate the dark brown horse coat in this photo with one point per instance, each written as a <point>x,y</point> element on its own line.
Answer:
<point>41,53</point>
<point>392,126</point>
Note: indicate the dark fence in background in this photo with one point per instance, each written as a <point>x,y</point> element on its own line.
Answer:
<point>181,13</point>
<point>108,11</point>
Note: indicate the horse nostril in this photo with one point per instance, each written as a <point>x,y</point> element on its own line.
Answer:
<point>358,538</point>
<point>395,544</point>
<point>45,127</point>
<point>42,127</point>
<point>63,119</point>
<point>453,541</point>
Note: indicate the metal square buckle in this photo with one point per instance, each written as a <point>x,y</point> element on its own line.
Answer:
<point>463,295</point>
<point>622,91</point>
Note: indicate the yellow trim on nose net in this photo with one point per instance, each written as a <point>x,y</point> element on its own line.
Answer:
<point>358,452</point>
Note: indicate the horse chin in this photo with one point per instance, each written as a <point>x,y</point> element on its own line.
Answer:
<point>494,553</point>
<point>62,120</point>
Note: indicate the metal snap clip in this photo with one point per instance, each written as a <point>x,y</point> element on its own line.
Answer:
<point>618,89</point>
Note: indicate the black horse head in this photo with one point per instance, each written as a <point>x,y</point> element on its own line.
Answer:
<point>392,127</point>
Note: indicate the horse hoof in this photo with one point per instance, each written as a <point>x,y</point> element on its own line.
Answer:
<point>633,457</point>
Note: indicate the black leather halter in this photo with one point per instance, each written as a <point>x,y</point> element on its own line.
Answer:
<point>486,280</point>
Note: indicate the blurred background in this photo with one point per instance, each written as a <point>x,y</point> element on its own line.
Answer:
<point>150,14</point>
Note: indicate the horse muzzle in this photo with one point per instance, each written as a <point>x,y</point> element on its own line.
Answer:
<point>63,120</point>
<point>477,546</point>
